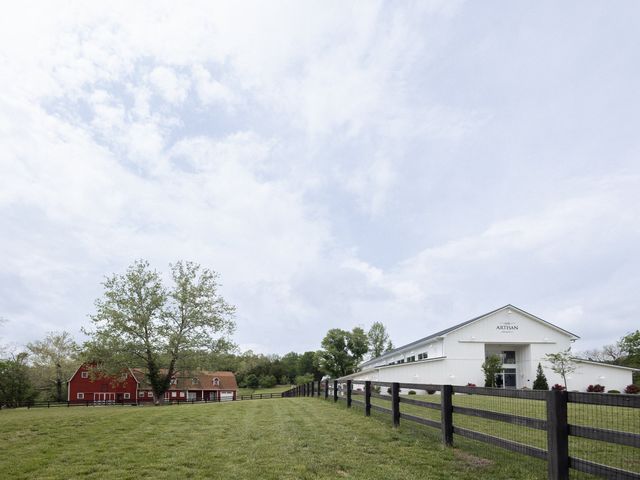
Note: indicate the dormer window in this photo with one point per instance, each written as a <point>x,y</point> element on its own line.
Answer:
<point>84,374</point>
<point>174,381</point>
<point>194,381</point>
<point>216,382</point>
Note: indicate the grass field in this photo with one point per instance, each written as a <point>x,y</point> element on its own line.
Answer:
<point>276,389</point>
<point>291,438</point>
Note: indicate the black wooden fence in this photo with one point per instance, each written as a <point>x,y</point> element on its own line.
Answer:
<point>124,403</point>
<point>556,424</point>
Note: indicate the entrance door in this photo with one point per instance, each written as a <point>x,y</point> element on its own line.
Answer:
<point>103,397</point>
<point>509,375</point>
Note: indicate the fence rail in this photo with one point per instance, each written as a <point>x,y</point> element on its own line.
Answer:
<point>548,415</point>
<point>134,403</point>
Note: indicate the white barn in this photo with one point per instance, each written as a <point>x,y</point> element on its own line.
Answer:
<point>455,355</point>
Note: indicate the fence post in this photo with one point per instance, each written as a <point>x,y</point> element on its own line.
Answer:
<point>367,398</point>
<point>446,407</point>
<point>319,387</point>
<point>349,386</point>
<point>326,389</point>
<point>313,388</point>
<point>557,435</point>
<point>335,390</point>
<point>395,403</point>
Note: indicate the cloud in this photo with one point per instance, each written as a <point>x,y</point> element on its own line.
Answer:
<point>338,164</point>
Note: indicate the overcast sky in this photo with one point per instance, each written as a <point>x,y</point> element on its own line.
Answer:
<point>337,163</point>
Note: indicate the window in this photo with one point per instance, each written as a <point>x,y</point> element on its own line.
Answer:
<point>194,381</point>
<point>182,394</point>
<point>216,382</point>
<point>141,394</point>
<point>173,394</point>
<point>411,358</point>
<point>508,357</point>
<point>127,396</point>
<point>80,396</point>
<point>149,394</point>
<point>84,374</point>
<point>174,381</point>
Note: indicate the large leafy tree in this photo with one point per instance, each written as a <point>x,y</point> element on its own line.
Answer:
<point>140,322</point>
<point>342,351</point>
<point>379,341</point>
<point>53,360</point>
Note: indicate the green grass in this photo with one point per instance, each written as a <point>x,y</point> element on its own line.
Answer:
<point>291,438</point>
<point>276,389</point>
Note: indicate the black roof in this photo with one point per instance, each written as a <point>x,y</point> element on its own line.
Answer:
<point>459,325</point>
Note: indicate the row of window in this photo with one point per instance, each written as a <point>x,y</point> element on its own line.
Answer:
<point>80,395</point>
<point>412,358</point>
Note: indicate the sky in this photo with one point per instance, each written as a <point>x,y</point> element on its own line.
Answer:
<point>337,163</point>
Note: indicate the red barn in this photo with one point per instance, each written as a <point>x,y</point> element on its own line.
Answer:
<point>105,389</point>
<point>133,387</point>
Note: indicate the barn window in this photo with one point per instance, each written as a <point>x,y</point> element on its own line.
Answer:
<point>150,394</point>
<point>80,396</point>
<point>182,394</point>
<point>194,381</point>
<point>141,394</point>
<point>84,374</point>
<point>173,394</point>
<point>174,381</point>
<point>127,396</point>
<point>216,381</point>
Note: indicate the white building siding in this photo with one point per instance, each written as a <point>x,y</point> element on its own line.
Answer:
<point>458,355</point>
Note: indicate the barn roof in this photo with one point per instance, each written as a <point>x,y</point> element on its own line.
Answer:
<point>193,380</point>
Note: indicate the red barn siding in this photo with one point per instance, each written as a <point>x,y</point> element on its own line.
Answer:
<point>101,388</point>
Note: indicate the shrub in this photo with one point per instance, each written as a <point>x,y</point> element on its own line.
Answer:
<point>389,390</point>
<point>557,386</point>
<point>412,392</point>
<point>431,391</point>
<point>540,383</point>
<point>267,381</point>
<point>376,388</point>
<point>632,389</point>
<point>613,391</point>
<point>597,388</point>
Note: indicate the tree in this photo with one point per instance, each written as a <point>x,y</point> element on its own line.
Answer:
<point>491,368</point>
<point>308,362</point>
<point>379,341</point>
<point>540,383</point>
<point>139,321</point>
<point>267,381</point>
<point>284,380</point>
<point>15,387</point>
<point>302,379</point>
<point>251,381</point>
<point>562,364</point>
<point>630,345</point>
<point>358,344</point>
<point>53,360</point>
<point>342,351</point>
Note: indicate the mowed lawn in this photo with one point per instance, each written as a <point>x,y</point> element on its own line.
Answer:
<point>290,438</point>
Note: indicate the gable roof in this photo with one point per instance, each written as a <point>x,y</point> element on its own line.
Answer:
<point>444,332</point>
